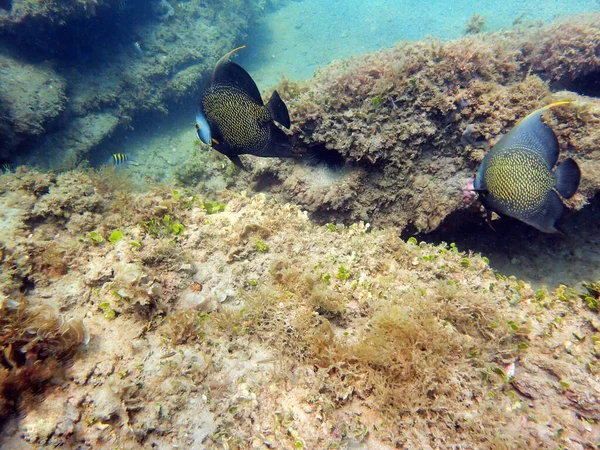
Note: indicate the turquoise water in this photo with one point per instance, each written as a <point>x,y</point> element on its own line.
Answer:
<point>302,36</point>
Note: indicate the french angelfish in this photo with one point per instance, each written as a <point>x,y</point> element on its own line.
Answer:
<point>232,118</point>
<point>516,177</point>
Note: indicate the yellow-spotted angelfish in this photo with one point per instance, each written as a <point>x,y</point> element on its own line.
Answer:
<point>516,177</point>
<point>232,118</point>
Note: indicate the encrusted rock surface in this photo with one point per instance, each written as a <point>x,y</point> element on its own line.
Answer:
<point>409,125</point>
<point>316,336</point>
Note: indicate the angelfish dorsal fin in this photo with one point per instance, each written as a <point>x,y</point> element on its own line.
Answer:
<point>230,74</point>
<point>225,58</point>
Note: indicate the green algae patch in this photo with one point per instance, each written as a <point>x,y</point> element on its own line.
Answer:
<point>95,237</point>
<point>213,207</point>
<point>592,295</point>
<point>115,237</point>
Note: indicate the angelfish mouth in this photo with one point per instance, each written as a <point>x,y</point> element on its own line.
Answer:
<point>468,191</point>
<point>470,184</point>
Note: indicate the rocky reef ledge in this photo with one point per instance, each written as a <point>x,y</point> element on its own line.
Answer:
<point>406,126</point>
<point>175,319</point>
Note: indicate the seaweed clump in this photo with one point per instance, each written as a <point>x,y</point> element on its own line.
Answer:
<point>475,24</point>
<point>36,343</point>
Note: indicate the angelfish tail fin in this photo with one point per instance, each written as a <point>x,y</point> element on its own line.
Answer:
<point>278,110</point>
<point>567,177</point>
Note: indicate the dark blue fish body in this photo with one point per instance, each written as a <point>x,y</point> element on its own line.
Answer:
<point>233,119</point>
<point>516,177</point>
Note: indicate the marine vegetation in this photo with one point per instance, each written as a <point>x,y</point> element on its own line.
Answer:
<point>475,24</point>
<point>36,342</point>
<point>258,326</point>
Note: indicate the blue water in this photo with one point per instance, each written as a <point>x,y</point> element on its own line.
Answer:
<point>302,36</point>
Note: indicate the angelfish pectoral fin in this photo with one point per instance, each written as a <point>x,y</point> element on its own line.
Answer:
<point>488,219</point>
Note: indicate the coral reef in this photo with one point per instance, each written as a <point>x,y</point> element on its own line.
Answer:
<point>233,320</point>
<point>411,124</point>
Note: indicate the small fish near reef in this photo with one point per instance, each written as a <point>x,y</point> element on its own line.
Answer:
<point>119,159</point>
<point>516,177</point>
<point>138,47</point>
<point>232,118</point>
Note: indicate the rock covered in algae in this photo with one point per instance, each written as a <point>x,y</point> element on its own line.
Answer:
<point>31,99</point>
<point>409,125</point>
<point>334,335</point>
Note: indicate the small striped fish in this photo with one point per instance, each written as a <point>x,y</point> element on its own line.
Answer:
<point>118,159</point>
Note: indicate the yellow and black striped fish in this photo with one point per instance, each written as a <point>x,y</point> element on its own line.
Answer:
<point>118,159</point>
<point>233,119</point>
<point>516,177</point>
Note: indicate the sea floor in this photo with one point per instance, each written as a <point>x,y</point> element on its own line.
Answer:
<point>516,249</point>
<point>155,147</point>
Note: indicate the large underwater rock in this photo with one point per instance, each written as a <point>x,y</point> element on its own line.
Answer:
<point>31,99</point>
<point>410,124</point>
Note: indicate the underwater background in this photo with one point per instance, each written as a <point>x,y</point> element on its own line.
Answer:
<point>153,294</point>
